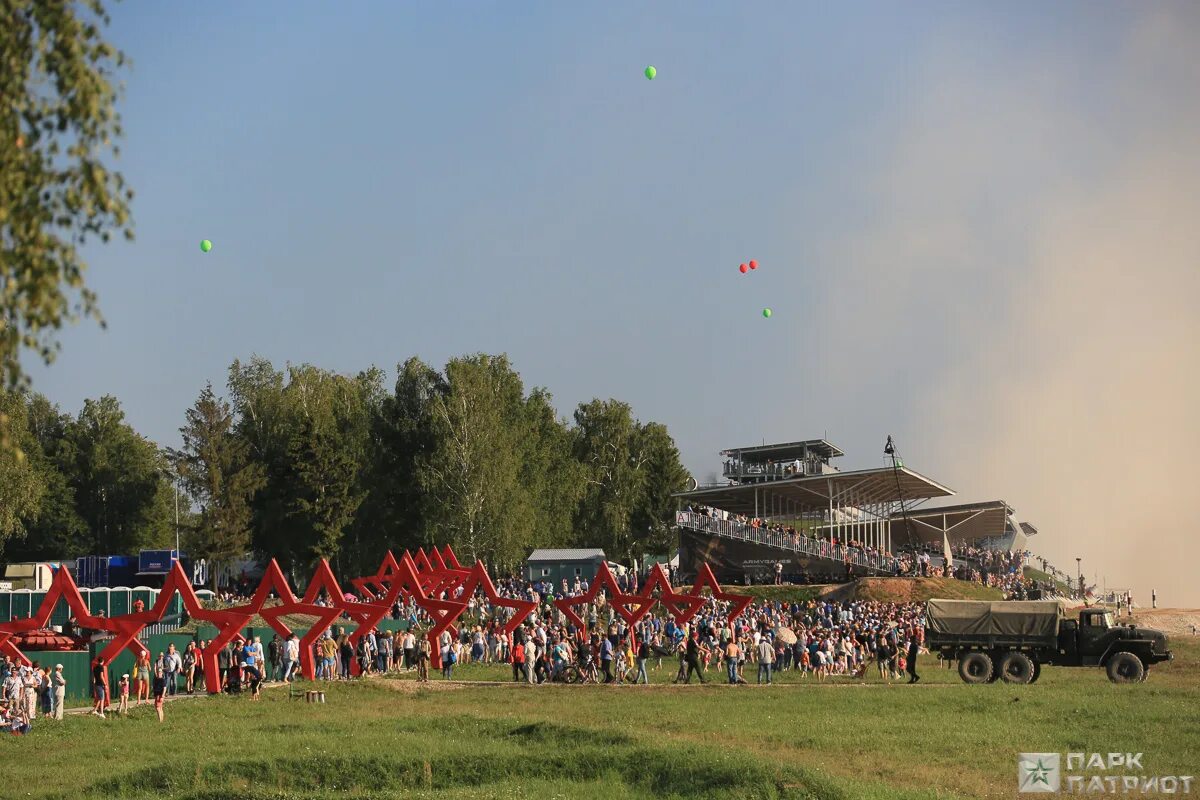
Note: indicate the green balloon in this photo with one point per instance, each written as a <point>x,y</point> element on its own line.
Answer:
<point>650,73</point>
<point>766,312</point>
<point>206,245</point>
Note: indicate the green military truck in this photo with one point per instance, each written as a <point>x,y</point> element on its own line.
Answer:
<point>1010,640</point>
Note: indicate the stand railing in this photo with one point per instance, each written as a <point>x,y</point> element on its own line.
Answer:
<point>818,548</point>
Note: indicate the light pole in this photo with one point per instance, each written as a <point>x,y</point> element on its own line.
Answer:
<point>1079,571</point>
<point>173,474</point>
<point>176,517</point>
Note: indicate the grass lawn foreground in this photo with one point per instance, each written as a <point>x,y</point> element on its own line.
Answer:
<point>385,738</point>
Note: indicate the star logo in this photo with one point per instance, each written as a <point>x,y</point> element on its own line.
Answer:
<point>1038,772</point>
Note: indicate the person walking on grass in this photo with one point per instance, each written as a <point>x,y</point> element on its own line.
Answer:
<point>224,665</point>
<point>449,658</point>
<point>766,659</point>
<point>914,647</point>
<point>275,651</point>
<point>141,677</point>
<point>252,668</point>
<point>681,649</point>
<point>409,645</point>
<point>422,660</point>
<point>291,658</point>
<point>530,659</point>
<point>518,663</point>
<point>190,657</point>
<point>59,684</point>
<point>160,691</point>
<point>882,657</point>
<point>174,665</point>
<point>329,651</point>
<point>692,658</point>
<point>606,659</point>
<point>346,652</point>
<point>731,660</point>
<point>643,655</point>
<point>99,686</point>
<point>29,684</point>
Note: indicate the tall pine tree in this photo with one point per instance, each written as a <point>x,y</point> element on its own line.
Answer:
<point>217,472</point>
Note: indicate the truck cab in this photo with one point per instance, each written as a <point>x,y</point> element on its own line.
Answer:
<point>1095,627</point>
<point>1097,636</point>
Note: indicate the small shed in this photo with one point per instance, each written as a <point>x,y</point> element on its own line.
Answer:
<point>559,565</point>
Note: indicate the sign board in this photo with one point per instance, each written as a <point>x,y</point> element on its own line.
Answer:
<point>155,562</point>
<point>5,586</point>
<point>199,572</point>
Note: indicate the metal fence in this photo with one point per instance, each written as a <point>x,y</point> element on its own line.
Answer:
<point>818,548</point>
<point>21,603</point>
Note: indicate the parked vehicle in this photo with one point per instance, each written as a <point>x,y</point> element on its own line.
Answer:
<point>1011,640</point>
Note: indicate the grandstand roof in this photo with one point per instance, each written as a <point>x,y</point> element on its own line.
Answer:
<point>576,554</point>
<point>965,522</point>
<point>785,451</point>
<point>812,493</point>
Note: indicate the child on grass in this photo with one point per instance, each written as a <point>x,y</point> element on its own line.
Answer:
<point>123,694</point>
<point>160,690</point>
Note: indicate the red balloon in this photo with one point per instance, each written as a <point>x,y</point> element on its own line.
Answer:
<point>753,264</point>
<point>742,268</point>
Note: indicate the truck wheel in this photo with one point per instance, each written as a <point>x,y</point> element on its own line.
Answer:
<point>1037,672</point>
<point>975,668</point>
<point>1125,667</point>
<point>1016,668</point>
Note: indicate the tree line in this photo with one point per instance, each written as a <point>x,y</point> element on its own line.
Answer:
<point>302,463</point>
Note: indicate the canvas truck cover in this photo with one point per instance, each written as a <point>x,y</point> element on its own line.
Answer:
<point>1006,619</point>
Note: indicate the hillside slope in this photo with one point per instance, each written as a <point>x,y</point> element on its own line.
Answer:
<point>914,590</point>
<point>896,590</point>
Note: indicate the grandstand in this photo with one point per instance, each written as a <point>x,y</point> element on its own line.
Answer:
<point>991,526</point>
<point>787,503</point>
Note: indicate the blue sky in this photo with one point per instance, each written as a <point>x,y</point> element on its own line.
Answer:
<point>397,179</point>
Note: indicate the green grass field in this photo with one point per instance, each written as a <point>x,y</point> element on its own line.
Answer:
<point>386,738</point>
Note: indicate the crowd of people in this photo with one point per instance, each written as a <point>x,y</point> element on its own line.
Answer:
<point>816,638</point>
<point>27,690</point>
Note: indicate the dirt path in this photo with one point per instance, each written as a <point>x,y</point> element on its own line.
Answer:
<point>1171,621</point>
